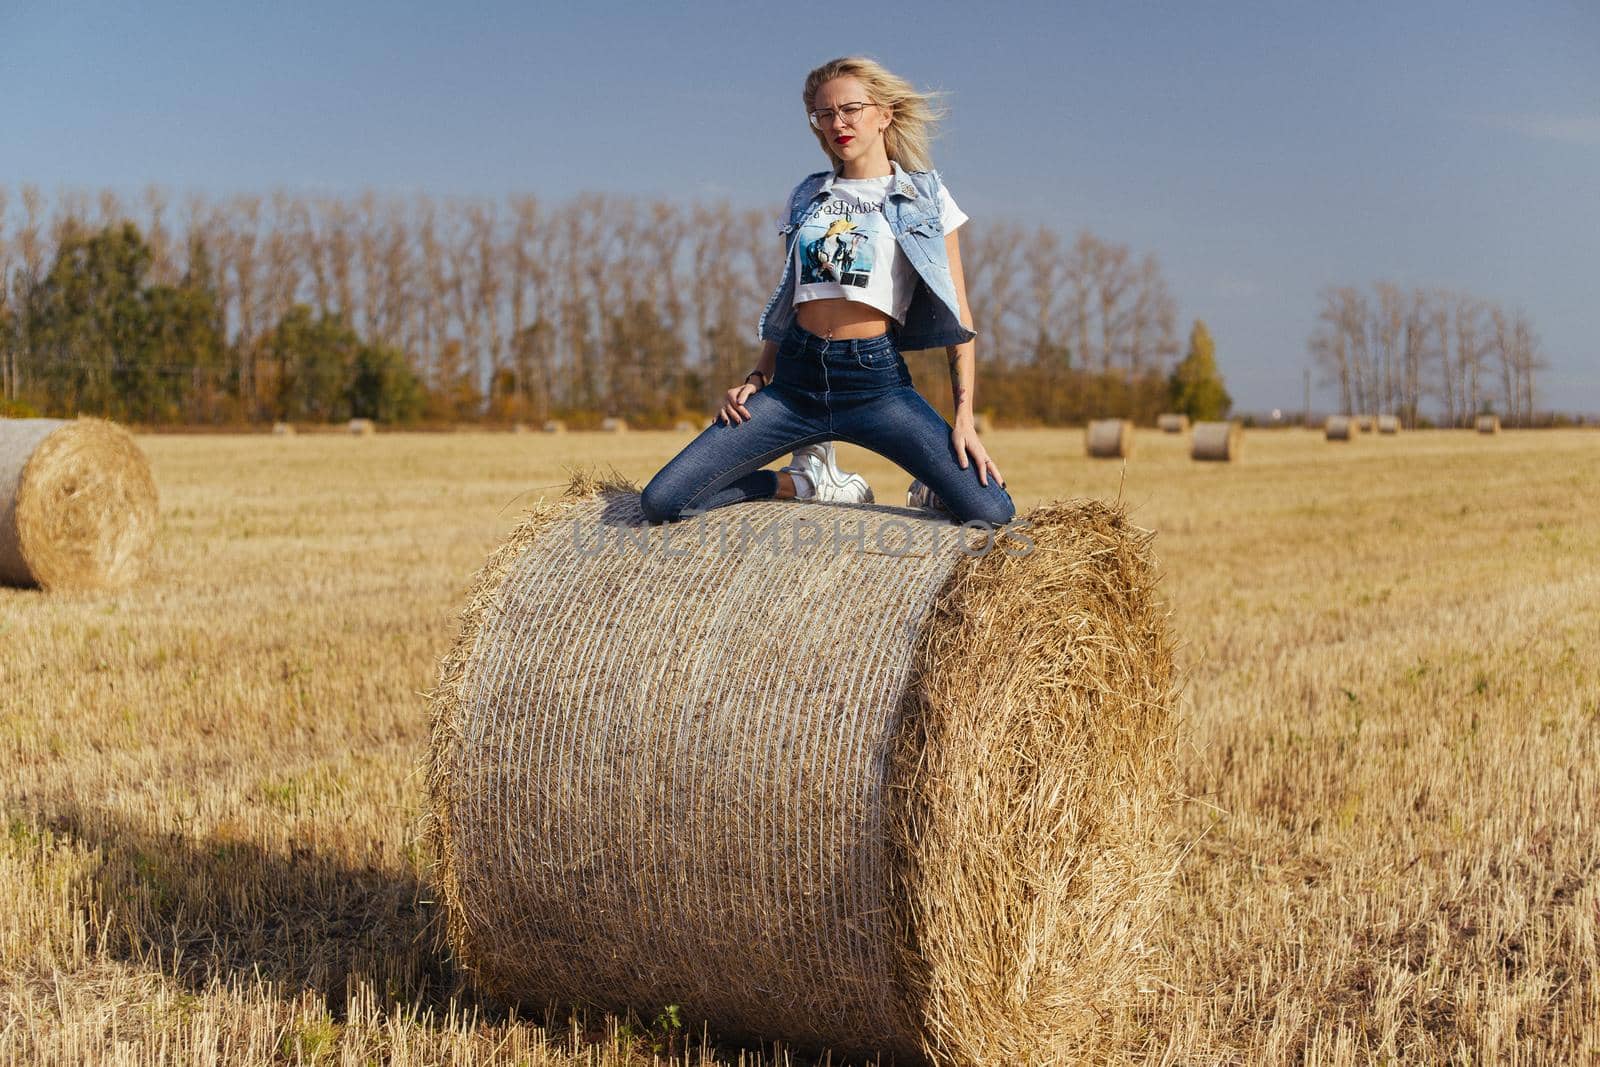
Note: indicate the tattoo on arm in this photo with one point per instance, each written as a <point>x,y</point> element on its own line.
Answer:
<point>958,392</point>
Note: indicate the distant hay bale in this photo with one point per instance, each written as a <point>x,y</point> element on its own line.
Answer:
<point>283,429</point>
<point>554,426</point>
<point>362,427</point>
<point>936,826</point>
<point>1341,428</point>
<point>683,426</point>
<point>1216,441</point>
<point>1109,438</point>
<point>1488,424</point>
<point>77,504</point>
<point>1367,423</point>
<point>982,422</point>
<point>613,425</point>
<point>1171,423</point>
<point>1389,424</point>
<point>519,427</point>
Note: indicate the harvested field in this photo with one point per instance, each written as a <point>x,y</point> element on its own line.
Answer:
<point>212,805</point>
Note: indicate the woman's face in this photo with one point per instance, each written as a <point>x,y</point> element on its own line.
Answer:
<point>857,138</point>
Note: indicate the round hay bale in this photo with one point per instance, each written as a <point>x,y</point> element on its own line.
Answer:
<point>886,794</point>
<point>519,427</point>
<point>1109,438</point>
<point>1341,428</point>
<point>683,426</point>
<point>362,427</point>
<point>1171,423</point>
<point>1388,424</point>
<point>1488,424</point>
<point>554,426</point>
<point>1367,423</point>
<point>1216,441</point>
<point>613,425</point>
<point>77,504</point>
<point>283,429</point>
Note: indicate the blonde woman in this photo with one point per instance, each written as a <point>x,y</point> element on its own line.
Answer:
<point>872,267</point>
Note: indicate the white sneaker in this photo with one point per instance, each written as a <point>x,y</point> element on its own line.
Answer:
<point>920,496</point>
<point>817,476</point>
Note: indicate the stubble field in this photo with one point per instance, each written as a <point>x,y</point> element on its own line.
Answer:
<point>209,787</point>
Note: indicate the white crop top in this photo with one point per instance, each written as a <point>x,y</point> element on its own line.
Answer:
<point>845,248</point>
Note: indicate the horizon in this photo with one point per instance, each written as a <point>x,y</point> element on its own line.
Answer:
<point>1452,146</point>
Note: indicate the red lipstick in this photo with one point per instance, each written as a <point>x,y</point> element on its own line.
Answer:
<point>845,139</point>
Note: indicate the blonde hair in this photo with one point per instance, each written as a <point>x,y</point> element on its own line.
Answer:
<point>915,113</point>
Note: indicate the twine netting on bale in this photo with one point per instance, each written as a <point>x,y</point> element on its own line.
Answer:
<point>1341,428</point>
<point>1218,441</point>
<point>875,794</point>
<point>1109,438</point>
<point>77,504</point>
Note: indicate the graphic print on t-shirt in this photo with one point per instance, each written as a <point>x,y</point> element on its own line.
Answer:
<point>836,243</point>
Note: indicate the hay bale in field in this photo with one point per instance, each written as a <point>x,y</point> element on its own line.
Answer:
<point>913,802</point>
<point>1171,423</point>
<point>1367,423</point>
<point>982,422</point>
<point>519,427</point>
<point>362,427</point>
<point>1388,424</point>
<point>1109,438</point>
<point>1216,441</point>
<point>610,424</point>
<point>1341,428</point>
<point>554,426</point>
<point>1488,424</point>
<point>684,426</point>
<point>77,504</point>
<point>283,429</point>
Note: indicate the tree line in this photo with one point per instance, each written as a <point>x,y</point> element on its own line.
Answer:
<point>1390,351</point>
<point>253,308</point>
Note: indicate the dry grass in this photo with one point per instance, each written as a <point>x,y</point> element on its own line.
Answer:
<point>209,808</point>
<point>948,845</point>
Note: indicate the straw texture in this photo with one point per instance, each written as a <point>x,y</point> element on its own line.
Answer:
<point>1172,423</point>
<point>77,504</point>
<point>1109,438</point>
<point>1341,428</point>
<point>1218,441</point>
<point>1488,424</point>
<point>891,798</point>
<point>1388,424</point>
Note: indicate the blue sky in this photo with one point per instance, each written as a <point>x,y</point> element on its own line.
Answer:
<point>1261,150</point>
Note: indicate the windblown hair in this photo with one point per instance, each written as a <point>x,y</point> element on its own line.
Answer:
<point>915,113</point>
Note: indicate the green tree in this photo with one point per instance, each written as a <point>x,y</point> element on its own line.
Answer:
<point>1196,388</point>
<point>98,339</point>
<point>315,361</point>
<point>383,386</point>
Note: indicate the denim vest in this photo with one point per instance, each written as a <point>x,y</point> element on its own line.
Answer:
<point>933,319</point>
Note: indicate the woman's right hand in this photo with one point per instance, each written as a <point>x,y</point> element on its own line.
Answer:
<point>733,410</point>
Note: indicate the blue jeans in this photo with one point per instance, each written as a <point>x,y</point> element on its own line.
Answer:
<point>850,390</point>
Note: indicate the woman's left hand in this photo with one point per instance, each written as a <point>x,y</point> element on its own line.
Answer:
<point>965,440</point>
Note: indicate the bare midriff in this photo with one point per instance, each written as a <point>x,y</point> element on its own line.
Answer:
<point>841,319</point>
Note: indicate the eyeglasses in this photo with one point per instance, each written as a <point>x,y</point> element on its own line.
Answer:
<point>849,111</point>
